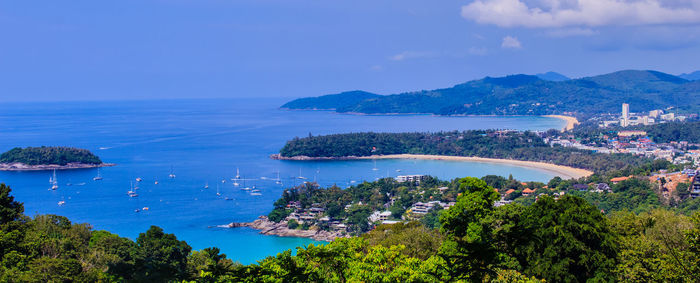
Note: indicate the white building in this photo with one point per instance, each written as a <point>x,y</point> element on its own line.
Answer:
<point>625,119</point>
<point>410,178</point>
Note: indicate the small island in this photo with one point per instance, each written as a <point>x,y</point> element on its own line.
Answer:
<point>49,158</point>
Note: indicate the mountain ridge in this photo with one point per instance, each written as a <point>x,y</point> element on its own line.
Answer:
<point>524,95</point>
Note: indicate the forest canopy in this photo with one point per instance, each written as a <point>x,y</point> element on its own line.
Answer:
<point>49,155</point>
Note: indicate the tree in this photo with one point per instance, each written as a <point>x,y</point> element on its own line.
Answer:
<point>564,240</point>
<point>469,246</point>
<point>161,256</point>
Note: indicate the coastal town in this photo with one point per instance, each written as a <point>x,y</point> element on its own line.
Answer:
<point>407,198</point>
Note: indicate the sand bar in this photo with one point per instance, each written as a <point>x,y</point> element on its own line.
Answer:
<point>570,121</point>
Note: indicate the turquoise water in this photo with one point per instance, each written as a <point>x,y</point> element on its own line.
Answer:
<point>204,141</point>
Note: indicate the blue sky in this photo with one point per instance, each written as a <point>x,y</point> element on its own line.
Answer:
<point>105,50</point>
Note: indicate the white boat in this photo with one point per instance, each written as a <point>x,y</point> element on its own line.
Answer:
<point>54,184</point>
<point>238,173</point>
<point>255,194</point>
<point>61,203</point>
<point>98,177</point>
<point>300,176</point>
<point>131,192</point>
<point>139,179</point>
<point>375,166</point>
<point>172,174</point>
<point>206,186</point>
<point>255,191</point>
<point>217,190</point>
<point>156,182</point>
<point>278,180</point>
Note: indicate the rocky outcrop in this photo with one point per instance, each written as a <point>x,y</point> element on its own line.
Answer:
<point>24,167</point>
<point>268,227</point>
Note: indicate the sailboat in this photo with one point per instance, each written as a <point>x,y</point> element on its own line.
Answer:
<point>300,176</point>
<point>375,166</point>
<point>172,175</point>
<point>206,185</point>
<point>98,177</point>
<point>244,187</point>
<point>131,192</point>
<point>238,173</point>
<point>54,184</point>
<point>217,190</point>
<point>278,180</point>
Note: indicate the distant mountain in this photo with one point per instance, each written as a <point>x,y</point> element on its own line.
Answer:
<point>525,95</point>
<point>553,76</point>
<point>332,101</point>
<point>694,76</point>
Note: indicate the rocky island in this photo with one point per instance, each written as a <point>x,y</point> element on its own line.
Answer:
<point>49,158</point>
<point>282,229</point>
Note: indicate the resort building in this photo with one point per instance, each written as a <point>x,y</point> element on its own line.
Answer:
<point>410,178</point>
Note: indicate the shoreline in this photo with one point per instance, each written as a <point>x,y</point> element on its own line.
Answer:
<point>267,227</point>
<point>571,122</point>
<point>45,167</point>
<point>561,170</point>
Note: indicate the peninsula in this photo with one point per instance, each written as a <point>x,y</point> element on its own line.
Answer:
<point>503,146</point>
<point>49,158</point>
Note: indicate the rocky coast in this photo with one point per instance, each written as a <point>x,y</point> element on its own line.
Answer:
<point>24,167</point>
<point>268,227</point>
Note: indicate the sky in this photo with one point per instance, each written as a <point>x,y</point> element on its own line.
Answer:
<point>172,49</point>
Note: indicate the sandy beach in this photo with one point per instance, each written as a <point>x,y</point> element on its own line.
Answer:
<point>565,172</point>
<point>562,171</point>
<point>570,121</point>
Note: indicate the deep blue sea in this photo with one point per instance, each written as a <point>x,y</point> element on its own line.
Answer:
<point>205,141</point>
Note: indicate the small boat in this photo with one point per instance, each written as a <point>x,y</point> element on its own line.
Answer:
<point>217,190</point>
<point>255,191</point>
<point>136,210</point>
<point>223,181</point>
<point>61,203</point>
<point>156,182</point>
<point>236,184</point>
<point>133,195</point>
<point>139,179</point>
<point>375,166</point>
<point>145,208</point>
<point>238,173</point>
<point>300,176</point>
<point>398,170</point>
<point>228,198</point>
<point>55,181</point>
<point>206,186</point>
<point>98,177</point>
<point>172,174</point>
<point>255,194</point>
<point>80,184</point>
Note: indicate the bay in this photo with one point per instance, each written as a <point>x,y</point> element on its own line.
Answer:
<point>204,142</point>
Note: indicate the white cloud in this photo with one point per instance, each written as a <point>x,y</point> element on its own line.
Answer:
<point>588,13</point>
<point>566,32</point>
<point>478,51</point>
<point>411,55</point>
<point>511,42</point>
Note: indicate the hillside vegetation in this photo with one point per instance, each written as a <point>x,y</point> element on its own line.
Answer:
<point>526,146</point>
<point>49,155</point>
<point>525,95</point>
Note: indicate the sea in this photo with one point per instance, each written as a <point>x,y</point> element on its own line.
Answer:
<point>206,142</point>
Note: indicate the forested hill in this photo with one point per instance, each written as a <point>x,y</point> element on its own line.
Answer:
<point>46,155</point>
<point>525,95</point>
<point>526,146</point>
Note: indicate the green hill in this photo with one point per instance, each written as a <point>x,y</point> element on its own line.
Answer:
<point>46,155</point>
<point>525,95</point>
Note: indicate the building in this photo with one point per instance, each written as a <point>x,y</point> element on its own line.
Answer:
<point>410,178</point>
<point>695,187</point>
<point>380,216</point>
<point>625,119</point>
<point>618,179</point>
<point>631,133</point>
